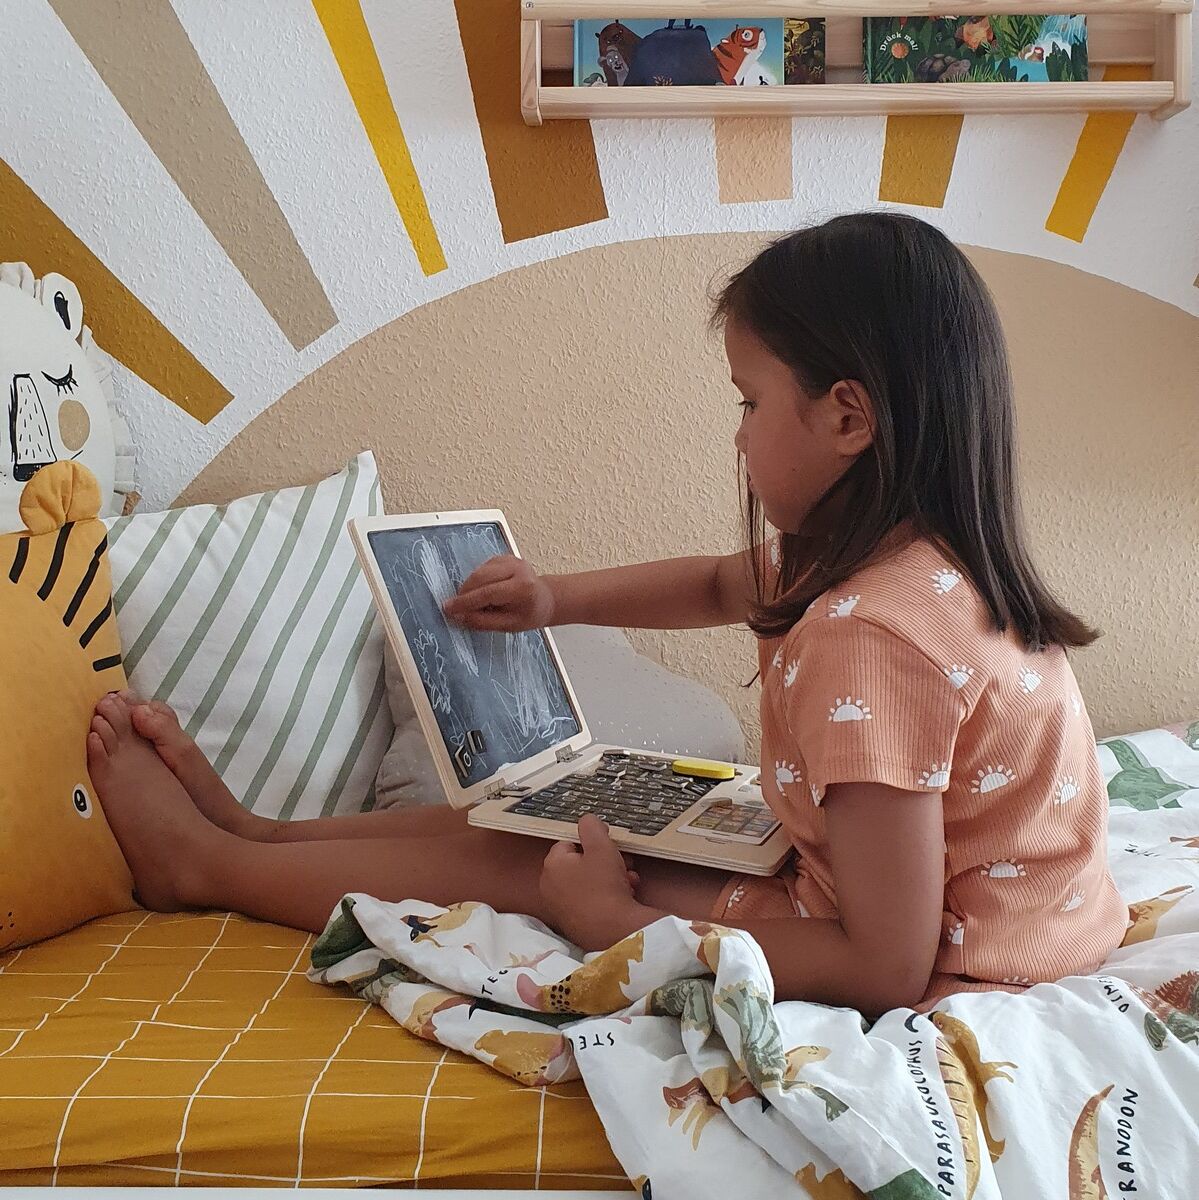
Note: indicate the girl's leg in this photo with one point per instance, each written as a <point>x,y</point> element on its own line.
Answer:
<point>180,860</point>
<point>159,725</point>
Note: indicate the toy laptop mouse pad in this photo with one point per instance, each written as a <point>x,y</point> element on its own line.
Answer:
<point>505,728</point>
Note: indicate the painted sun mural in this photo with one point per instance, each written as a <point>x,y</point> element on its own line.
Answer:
<point>243,191</point>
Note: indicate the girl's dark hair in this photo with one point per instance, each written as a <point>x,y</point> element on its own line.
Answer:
<point>890,302</point>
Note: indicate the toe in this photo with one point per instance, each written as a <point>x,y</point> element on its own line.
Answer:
<point>156,722</point>
<point>97,755</point>
<point>116,712</point>
<point>105,732</point>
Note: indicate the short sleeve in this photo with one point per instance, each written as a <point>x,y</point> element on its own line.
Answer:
<point>867,706</point>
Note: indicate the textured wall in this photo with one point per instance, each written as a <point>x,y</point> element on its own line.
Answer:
<point>377,162</point>
<point>584,396</point>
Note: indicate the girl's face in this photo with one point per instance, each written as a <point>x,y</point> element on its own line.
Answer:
<point>795,446</point>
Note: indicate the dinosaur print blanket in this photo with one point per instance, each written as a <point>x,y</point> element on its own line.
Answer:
<point>708,1087</point>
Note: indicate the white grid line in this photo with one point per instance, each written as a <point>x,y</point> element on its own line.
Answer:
<point>221,1058</point>
<point>312,1091</point>
<point>66,1116</point>
<point>82,988</point>
<point>420,1157</point>
<point>270,1096</point>
<point>326,1179</point>
<point>16,954</point>
<point>540,1130</point>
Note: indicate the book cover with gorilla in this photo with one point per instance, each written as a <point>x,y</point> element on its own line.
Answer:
<point>688,53</point>
<point>1007,48</point>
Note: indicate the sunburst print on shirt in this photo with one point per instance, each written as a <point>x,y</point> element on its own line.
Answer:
<point>958,674</point>
<point>1004,868</point>
<point>945,580</point>
<point>991,779</point>
<point>849,709</point>
<point>1066,790</point>
<point>785,775</point>
<point>843,607</point>
<point>1030,680</point>
<point>935,778</point>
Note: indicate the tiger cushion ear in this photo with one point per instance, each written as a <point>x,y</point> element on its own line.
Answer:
<point>58,294</point>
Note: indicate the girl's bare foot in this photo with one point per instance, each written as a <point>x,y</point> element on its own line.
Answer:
<point>169,846</point>
<point>159,725</point>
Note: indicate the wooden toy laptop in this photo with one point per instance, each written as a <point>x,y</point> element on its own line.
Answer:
<point>505,728</point>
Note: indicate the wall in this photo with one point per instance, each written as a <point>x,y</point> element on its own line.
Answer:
<point>320,225</point>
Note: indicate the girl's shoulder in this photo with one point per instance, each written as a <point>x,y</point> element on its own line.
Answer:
<point>917,595</point>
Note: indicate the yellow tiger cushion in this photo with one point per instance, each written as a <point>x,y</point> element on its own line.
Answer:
<point>59,653</point>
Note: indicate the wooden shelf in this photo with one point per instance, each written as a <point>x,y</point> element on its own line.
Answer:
<point>1151,33</point>
<point>858,100</point>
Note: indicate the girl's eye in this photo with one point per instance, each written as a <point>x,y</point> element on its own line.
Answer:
<point>67,383</point>
<point>746,405</point>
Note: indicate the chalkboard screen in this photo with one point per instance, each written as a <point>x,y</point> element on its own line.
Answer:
<point>497,697</point>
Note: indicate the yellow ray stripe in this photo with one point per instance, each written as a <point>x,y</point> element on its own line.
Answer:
<point>753,159</point>
<point>350,40</point>
<point>1095,156</point>
<point>31,233</point>
<point>918,159</point>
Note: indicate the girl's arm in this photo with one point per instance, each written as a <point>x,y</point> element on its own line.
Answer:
<point>679,593</point>
<point>676,593</point>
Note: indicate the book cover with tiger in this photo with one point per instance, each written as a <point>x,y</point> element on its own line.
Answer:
<point>684,52</point>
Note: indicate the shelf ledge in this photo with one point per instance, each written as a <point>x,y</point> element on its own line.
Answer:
<point>852,99</point>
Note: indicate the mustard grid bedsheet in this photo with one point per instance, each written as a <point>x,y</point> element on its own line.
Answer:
<point>191,1049</point>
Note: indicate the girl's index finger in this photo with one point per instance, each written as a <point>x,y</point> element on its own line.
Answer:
<point>474,599</point>
<point>492,571</point>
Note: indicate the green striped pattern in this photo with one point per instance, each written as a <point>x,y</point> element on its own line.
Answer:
<point>253,621</point>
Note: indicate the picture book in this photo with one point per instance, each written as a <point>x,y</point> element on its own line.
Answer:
<point>1007,48</point>
<point>679,53</point>
<point>803,50</point>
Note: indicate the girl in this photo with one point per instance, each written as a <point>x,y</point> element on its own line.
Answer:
<point>923,738</point>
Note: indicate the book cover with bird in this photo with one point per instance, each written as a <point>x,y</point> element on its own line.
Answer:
<point>1001,48</point>
<point>680,53</point>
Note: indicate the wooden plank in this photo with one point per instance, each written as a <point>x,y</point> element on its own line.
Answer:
<point>1111,38</point>
<point>1173,62</point>
<point>579,10</point>
<point>853,99</point>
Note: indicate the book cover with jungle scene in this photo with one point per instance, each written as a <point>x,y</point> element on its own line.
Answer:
<point>1001,48</point>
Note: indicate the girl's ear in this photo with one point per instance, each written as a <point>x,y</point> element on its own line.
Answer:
<point>854,414</point>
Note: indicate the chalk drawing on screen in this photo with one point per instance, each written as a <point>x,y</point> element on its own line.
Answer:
<point>498,698</point>
<point>432,567</point>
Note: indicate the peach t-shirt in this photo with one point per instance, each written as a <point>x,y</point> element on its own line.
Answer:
<point>899,677</point>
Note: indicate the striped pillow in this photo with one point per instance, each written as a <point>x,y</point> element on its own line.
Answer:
<point>253,621</point>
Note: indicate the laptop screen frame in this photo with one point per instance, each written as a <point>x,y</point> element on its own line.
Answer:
<point>458,796</point>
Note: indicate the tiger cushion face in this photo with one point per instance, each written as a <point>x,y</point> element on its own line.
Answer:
<point>59,653</point>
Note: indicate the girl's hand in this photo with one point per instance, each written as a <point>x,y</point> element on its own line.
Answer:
<point>588,889</point>
<point>506,595</point>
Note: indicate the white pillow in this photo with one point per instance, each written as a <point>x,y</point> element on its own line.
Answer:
<point>252,619</point>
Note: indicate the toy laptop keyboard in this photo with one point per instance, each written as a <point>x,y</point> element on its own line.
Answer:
<point>644,795</point>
